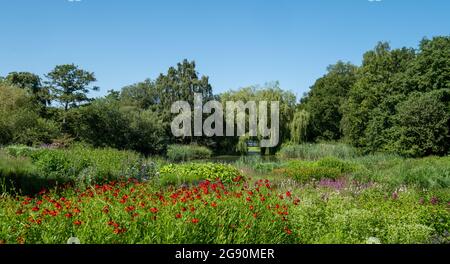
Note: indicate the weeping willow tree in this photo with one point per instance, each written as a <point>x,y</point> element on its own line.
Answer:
<point>242,146</point>
<point>299,126</point>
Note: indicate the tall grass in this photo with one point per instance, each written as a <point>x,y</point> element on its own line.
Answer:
<point>187,152</point>
<point>41,168</point>
<point>318,151</point>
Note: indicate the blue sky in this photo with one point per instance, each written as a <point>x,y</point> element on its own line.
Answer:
<point>235,42</point>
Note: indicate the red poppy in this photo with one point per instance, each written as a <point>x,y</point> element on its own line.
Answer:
<point>68,215</point>
<point>178,216</point>
<point>35,209</point>
<point>213,204</point>
<point>288,194</point>
<point>77,222</point>
<point>195,220</point>
<point>154,210</point>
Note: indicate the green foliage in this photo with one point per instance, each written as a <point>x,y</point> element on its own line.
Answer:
<point>399,102</point>
<point>187,152</point>
<point>69,85</point>
<point>20,121</point>
<point>195,172</point>
<point>326,168</point>
<point>18,173</point>
<point>423,124</point>
<point>105,123</point>
<point>269,92</point>
<point>78,165</point>
<point>317,151</point>
<point>299,126</point>
<point>429,173</point>
<point>32,83</point>
<point>324,100</point>
<point>19,150</point>
<point>346,218</point>
<point>85,164</point>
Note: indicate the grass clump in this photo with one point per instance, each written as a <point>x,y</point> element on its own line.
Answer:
<point>187,152</point>
<point>317,151</point>
<point>326,168</point>
<point>174,174</point>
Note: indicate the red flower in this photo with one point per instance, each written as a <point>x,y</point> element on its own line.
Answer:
<point>77,222</point>
<point>255,215</point>
<point>194,220</point>
<point>213,204</point>
<point>76,210</point>
<point>288,231</point>
<point>129,208</point>
<point>35,209</point>
<point>248,199</point>
<point>118,231</point>
<point>178,216</point>
<point>288,194</point>
<point>154,210</point>
<point>105,209</point>
<point>68,215</point>
<point>252,207</point>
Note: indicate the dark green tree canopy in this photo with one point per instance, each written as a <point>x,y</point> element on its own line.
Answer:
<point>324,101</point>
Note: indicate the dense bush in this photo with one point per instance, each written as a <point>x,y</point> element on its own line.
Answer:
<point>423,124</point>
<point>195,172</point>
<point>106,123</point>
<point>317,151</point>
<point>20,121</point>
<point>187,152</point>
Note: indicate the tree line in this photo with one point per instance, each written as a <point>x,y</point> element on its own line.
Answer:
<point>397,101</point>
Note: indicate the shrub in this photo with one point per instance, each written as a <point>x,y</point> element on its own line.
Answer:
<point>194,172</point>
<point>423,125</point>
<point>187,152</point>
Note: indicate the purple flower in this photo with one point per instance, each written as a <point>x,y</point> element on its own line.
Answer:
<point>395,196</point>
<point>434,201</point>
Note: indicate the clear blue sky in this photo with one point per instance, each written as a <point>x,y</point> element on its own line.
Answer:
<point>235,42</point>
